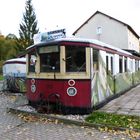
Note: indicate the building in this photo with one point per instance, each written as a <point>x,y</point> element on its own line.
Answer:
<point>109,30</point>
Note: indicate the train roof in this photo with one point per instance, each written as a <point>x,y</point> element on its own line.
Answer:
<point>16,60</point>
<point>79,40</point>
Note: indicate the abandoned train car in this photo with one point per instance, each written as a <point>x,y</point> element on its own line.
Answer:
<point>78,74</point>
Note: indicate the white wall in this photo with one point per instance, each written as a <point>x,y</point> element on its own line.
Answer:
<point>112,32</point>
<point>133,42</point>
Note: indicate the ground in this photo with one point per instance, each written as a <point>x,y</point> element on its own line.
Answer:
<point>14,127</point>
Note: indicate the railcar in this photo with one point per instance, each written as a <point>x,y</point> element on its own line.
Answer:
<point>78,75</point>
<point>14,73</point>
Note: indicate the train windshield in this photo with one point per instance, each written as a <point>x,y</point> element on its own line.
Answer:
<point>49,59</point>
<point>75,59</point>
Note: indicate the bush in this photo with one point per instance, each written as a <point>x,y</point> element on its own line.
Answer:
<point>1,64</point>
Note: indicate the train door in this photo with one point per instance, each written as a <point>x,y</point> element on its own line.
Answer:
<point>31,62</point>
<point>77,69</point>
<point>94,75</point>
<point>110,71</point>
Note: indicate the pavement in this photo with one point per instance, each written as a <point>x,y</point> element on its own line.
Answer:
<point>128,103</point>
<point>12,127</point>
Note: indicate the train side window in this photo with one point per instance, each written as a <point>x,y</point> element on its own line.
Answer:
<point>107,69</point>
<point>120,64</point>
<point>32,62</point>
<point>75,59</point>
<point>95,59</point>
<point>125,64</point>
<point>136,65</point>
<point>131,65</point>
<point>109,64</point>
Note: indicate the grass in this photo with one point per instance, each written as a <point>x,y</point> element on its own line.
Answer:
<point>115,120</point>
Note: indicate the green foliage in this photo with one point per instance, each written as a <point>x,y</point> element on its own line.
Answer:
<point>1,77</point>
<point>116,120</point>
<point>1,64</point>
<point>28,27</point>
<point>8,48</point>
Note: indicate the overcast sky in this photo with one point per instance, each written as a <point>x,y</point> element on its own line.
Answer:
<point>69,14</point>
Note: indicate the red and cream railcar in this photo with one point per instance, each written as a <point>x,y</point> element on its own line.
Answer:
<point>78,74</point>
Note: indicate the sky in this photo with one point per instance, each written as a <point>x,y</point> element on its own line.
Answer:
<point>69,14</point>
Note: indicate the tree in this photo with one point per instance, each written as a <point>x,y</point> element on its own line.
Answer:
<point>8,47</point>
<point>11,36</point>
<point>28,27</point>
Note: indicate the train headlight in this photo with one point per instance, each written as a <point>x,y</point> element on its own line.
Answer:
<point>33,88</point>
<point>71,91</point>
<point>71,82</point>
<point>32,81</point>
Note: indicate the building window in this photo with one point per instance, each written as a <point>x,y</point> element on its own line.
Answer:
<point>99,30</point>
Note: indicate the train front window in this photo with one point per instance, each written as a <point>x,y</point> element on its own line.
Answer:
<point>75,59</point>
<point>49,59</point>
